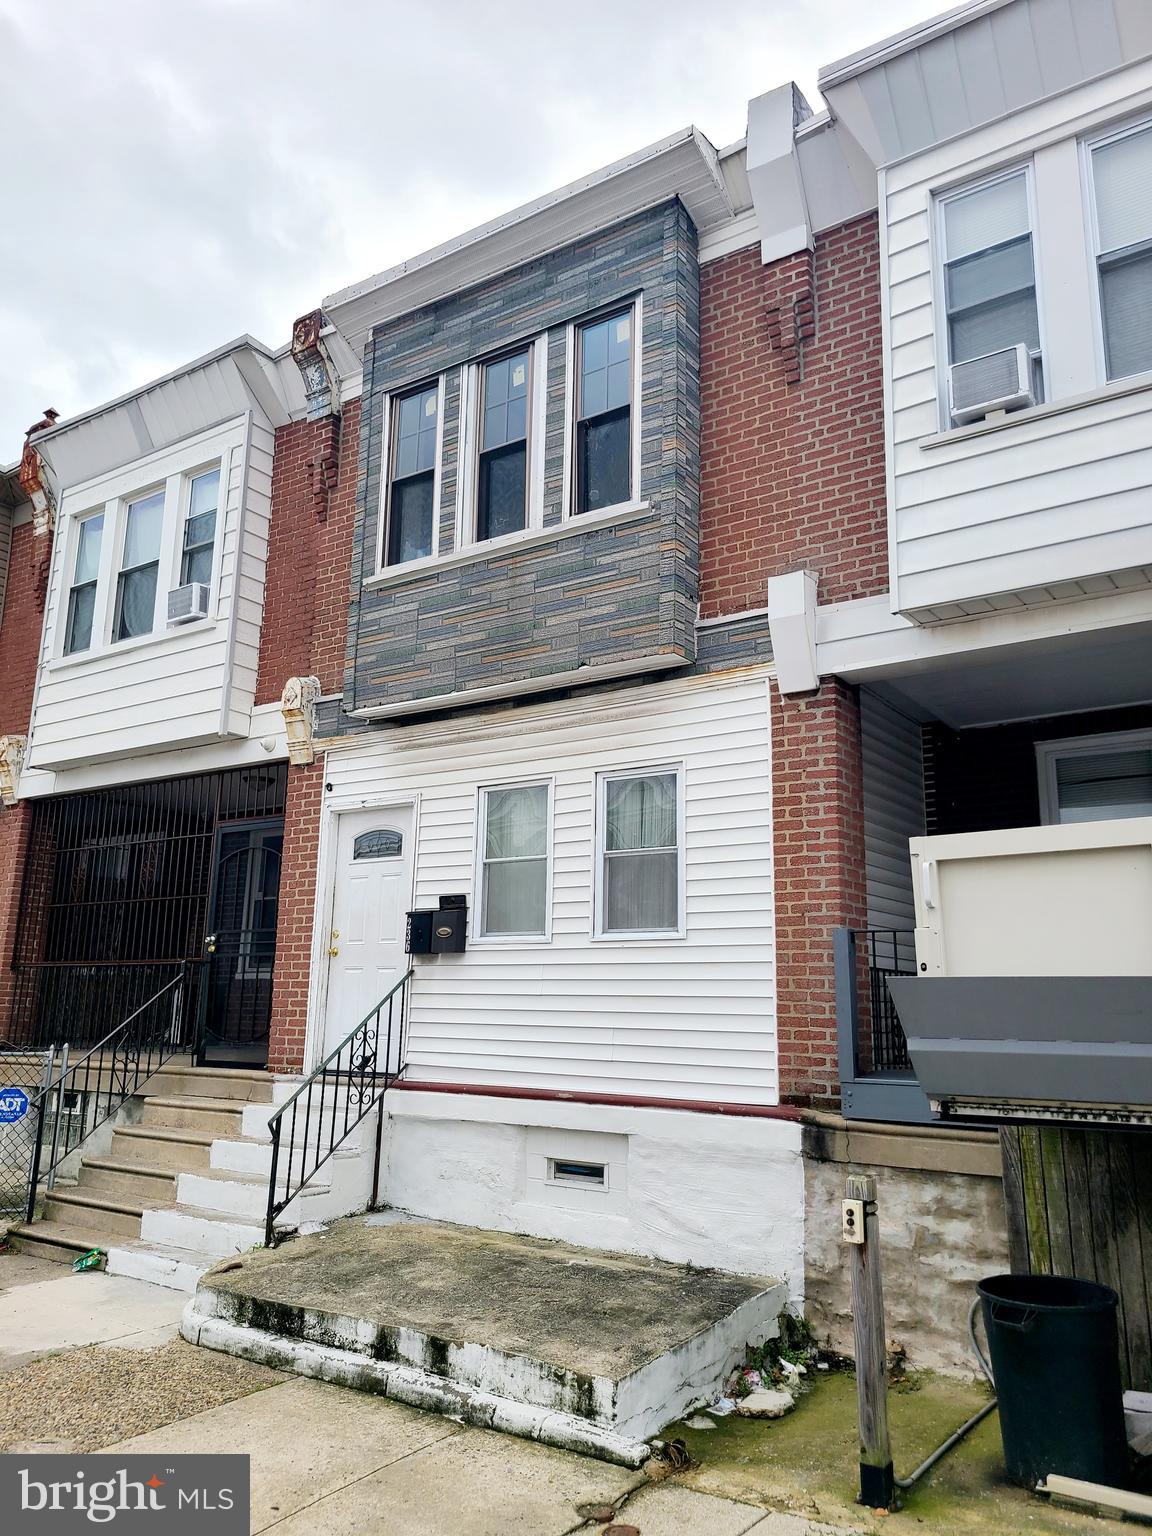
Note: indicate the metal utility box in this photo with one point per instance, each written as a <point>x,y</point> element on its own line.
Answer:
<point>450,926</point>
<point>418,934</point>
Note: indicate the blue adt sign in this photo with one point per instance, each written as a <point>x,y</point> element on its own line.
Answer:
<point>13,1105</point>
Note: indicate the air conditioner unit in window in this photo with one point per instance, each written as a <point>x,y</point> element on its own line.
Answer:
<point>190,602</point>
<point>999,381</point>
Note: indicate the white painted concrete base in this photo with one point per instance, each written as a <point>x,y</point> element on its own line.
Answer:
<point>720,1191</point>
<point>174,1269</point>
<point>407,1384</point>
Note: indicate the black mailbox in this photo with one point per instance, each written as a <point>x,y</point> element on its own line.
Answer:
<point>450,926</point>
<point>418,936</point>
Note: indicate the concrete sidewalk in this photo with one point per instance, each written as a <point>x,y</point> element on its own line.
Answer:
<point>330,1462</point>
<point>85,1355</point>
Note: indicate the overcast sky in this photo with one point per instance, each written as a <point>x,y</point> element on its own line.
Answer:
<point>177,172</point>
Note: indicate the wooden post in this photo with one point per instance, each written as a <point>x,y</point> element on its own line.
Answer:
<point>877,1483</point>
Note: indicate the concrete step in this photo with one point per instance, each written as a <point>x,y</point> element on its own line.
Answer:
<point>107,1214</point>
<point>198,1231</point>
<point>182,1112</point>
<point>252,1157</point>
<point>236,1083</point>
<point>233,1194</point>
<point>155,1146</point>
<point>56,1241</point>
<point>177,1269</point>
<point>134,1181</point>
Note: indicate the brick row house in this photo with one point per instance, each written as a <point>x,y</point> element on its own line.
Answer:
<point>628,581</point>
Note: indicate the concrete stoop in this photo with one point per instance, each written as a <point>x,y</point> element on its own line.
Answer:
<point>182,1182</point>
<point>592,1351</point>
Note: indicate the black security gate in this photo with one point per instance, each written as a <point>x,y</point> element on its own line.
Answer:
<point>119,890</point>
<point>241,943</point>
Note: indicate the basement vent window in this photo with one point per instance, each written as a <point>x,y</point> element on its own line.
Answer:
<point>563,1170</point>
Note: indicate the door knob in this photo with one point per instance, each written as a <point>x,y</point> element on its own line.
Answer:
<point>333,949</point>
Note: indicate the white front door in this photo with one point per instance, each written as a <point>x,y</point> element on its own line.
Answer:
<point>372,894</point>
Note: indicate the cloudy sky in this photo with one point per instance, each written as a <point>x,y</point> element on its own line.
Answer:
<point>176,172</point>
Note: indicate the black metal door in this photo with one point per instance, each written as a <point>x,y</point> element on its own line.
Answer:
<point>241,943</point>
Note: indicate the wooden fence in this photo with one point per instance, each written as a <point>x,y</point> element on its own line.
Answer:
<point>1079,1203</point>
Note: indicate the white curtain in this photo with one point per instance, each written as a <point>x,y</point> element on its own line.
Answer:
<point>641,880</point>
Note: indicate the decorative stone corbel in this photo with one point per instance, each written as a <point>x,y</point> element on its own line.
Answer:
<point>12,749</point>
<point>298,706</point>
<point>321,382</point>
<point>34,479</point>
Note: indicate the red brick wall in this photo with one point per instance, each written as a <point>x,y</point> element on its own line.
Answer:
<point>792,466</point>
<point>294,929</point>
<point>309,553</point>
<point>20,627</point>
<point>818,834</point>
<point>304,631</point>
<point>20,630</point>
<point>305,626</point>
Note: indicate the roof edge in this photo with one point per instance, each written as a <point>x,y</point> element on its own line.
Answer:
<point>874,54</point>
<point>520,215</point>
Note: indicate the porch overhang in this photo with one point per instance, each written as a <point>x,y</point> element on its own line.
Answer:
<point>1067,1048</point>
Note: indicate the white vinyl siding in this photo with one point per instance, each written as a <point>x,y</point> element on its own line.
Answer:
<point>893,772</point>
<point>1051,503</point>
<point>177,687</point>
<point>689,1018</point>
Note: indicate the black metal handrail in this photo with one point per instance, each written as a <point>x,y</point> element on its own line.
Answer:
<point>332,1101</point>
<point>872,1039</point>
<point>105,1077</point>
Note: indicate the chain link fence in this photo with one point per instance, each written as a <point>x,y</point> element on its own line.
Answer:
<point>22,1075</point>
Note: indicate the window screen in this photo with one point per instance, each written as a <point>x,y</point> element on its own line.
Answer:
<point>413,476</point>
<point>989,276</point>
<point>514,879</point>
<point>1100,786</point>
<point>604,413</point>
<point>1122,185</point>
<point>503,470</point>
<point>641,879</point>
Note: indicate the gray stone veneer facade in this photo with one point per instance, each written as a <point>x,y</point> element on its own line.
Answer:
<point>622,595</point>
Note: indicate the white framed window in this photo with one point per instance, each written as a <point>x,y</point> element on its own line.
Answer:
<point>503,445</point>
<point>988,271</point>
<point>605,436</point>
<point>134,540</point>
<point>85,580</point>
<point>410,505</point>
<point>1120,183</point>
<point>142,532</point>
<point>198,545</point>
<point>1095,778</point>
<point>514,861</point>
<point>640,854</point>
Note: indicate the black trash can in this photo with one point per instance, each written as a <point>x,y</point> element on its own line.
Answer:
<point>1056,1363</point>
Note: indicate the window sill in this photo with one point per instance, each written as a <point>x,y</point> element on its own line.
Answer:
<point>510,544</point>
<point>123,647</point>
<point>656,936</point>
<point>1136,385</point>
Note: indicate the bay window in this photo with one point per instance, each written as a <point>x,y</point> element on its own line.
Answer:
<point>640,848</point>
<point>514,852</point>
